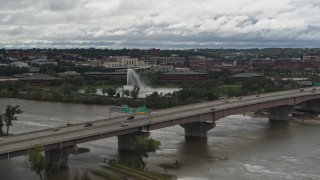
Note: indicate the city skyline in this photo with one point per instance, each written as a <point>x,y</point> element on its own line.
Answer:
<point>161,24</point>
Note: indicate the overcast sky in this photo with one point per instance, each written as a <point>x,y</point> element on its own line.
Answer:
<point>159,23</point>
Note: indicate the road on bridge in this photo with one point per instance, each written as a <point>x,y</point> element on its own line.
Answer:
<point>111,127</point>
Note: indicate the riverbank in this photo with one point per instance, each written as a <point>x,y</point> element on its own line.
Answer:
<point>118,171</point>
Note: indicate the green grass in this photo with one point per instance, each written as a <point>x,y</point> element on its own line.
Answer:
<point>105,175</point>
<point>125,172</point>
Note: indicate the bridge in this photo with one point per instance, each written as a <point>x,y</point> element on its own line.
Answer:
<point>196,119</point>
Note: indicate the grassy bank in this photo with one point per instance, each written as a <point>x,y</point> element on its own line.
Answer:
<point>118,171</point>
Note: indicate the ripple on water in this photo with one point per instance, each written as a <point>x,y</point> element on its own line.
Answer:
<point>260,170</point>
<point>26,123</point>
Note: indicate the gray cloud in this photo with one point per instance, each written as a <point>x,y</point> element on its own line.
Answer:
<point>166,23</point>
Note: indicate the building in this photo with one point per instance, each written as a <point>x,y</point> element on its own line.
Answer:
<point>95,63</point>
<point>172,60</point>
<point>105,75</point>
<point>118,62</point>
<point>263,64</point>
<point>289,64</point>
<point>33,78</point>
<point>18,55</point>
<point>82,63</point>
<point>161,68</point>
<point>185,76</point>
<point>154,52</point>
<point>311,57</point>
<point>242,77</point>
<point>44,61</point>
<point>20,64</point>
<point>200,63</point>
<point>69,73</point>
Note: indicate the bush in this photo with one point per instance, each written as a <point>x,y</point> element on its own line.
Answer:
<point>81,150</point>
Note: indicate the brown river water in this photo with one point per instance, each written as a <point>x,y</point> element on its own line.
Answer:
<point>240,147</point>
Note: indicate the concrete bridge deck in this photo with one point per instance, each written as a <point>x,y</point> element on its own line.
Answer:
<point>67,136</point>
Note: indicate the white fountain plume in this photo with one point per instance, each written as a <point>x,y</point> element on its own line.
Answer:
<point>133,79</point>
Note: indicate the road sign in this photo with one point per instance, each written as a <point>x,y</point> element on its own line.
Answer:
<point>134,110</point>
<point>125,109</point>
<point>143,109</point>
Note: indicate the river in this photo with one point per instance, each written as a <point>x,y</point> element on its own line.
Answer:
<point>240,147</point>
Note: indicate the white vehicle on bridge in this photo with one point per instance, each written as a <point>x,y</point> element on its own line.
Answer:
<point>123,124</point>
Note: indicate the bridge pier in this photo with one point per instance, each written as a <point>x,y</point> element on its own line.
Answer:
<point>126,141</point>
<point>280,113</point>
<point>60,156</point>
<point>197,129</point>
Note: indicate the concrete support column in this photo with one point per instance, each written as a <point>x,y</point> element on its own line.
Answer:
<point>280,113</point>
<point>60,156</point>
<point>197,129</point>
<point>126,142</point>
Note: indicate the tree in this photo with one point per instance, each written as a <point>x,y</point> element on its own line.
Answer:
<point>91,90</point>
<point>1,124</point>
<point>37,161</point>
<point>111,91</point>
<point>135,92</point>
<point>104,91</point>
<point>10,115</point>
<point>126,93</point>
<point>143,146</point>
<point>67,88</point>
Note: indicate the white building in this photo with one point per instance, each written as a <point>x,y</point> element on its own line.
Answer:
<point>43,61</point>
<point>20,64</point>
<point>123,62</point>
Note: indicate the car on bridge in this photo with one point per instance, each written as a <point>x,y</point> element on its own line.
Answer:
<point>1,139</point>
<point>55,129</point>
<point>123,124</point>
<point>88,124</point>
<point>130,118</point>
<point>153,113</point>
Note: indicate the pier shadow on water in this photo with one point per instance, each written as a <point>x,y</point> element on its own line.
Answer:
<point>193,147</point>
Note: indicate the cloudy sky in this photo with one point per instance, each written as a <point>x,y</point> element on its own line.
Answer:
<point>159,23</point>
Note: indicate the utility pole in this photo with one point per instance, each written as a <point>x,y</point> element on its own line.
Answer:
<point>149,117</point>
